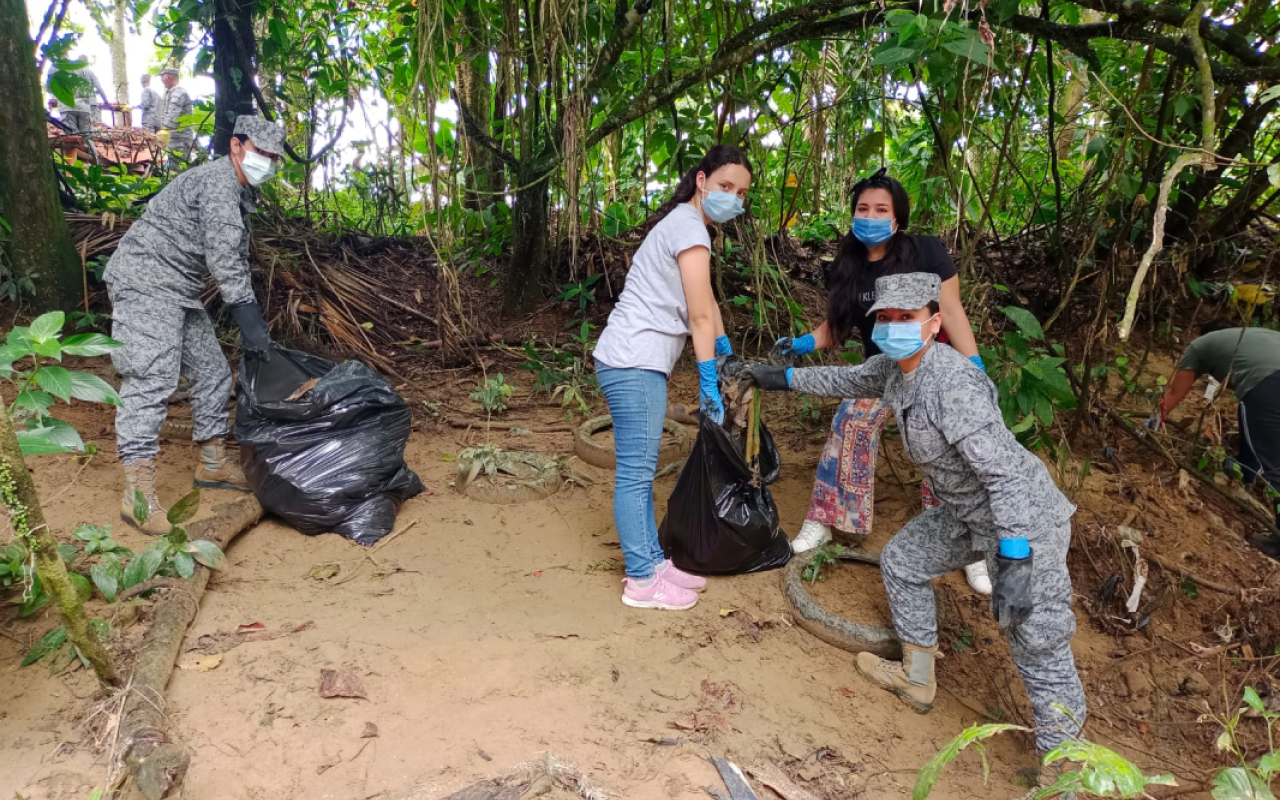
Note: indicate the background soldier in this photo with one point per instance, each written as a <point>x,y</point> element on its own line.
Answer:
<point>173,135</point>
<point>195,226</point>
<point>149,106</point>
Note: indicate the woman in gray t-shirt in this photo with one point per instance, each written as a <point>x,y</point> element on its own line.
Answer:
<point>667,299</point>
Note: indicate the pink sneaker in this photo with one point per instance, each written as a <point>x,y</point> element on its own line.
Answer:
<point>680,578</point>
<point>660,594</point>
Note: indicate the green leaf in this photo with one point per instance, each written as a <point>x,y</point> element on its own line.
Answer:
<point>894,55</point>
<point>1096,146</point>
<point>47,326</point>
<point>56,381</point>
<point>1027,323</point>
<point>143,566</point>
<point>35,401</point>
<point>1238,783</point>
<point>48,440</point>
<point>1269,765</point>
<point>1102,771</point>
<point>186,508</point>
<point>92,389</point>
<point>930,772</point>
<point>207,553</point>
<point>184,564</point>
<point>105,581</point>
<point>62,86</point>
<point>48,643</point>
<point>141,508</point>
<point>971,48</point>
<point>89,344</point>
<point>84,589</point>
<point>49,349</point>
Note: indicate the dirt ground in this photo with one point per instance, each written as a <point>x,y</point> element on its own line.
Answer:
<point>485,636</point>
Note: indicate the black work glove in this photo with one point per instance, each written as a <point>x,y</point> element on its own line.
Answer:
<point>728,367</point>
<point>766,376</point>
<point>254,339</point>
<point>1011,591</point>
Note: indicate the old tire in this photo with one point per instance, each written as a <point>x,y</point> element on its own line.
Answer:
<point>539,480</point>
<point>601,455</point>
<point>850,635</point>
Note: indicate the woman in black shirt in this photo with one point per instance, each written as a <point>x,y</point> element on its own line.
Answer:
<point>877,245</point>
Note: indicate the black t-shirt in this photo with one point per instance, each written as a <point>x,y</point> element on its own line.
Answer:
<point>931,256</point>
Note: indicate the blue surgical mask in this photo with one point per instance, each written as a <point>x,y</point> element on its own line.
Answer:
<point>721,206</point>
<point>900,340</point>
<point>872,232</point>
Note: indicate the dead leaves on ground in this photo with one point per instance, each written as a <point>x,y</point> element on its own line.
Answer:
<point>716,703</point>
<point>341,683</point>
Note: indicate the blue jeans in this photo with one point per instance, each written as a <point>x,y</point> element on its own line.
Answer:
<point>637,401</point>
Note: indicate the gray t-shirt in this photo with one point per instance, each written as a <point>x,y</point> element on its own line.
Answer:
<point>648,327</point>
<point>1250,359</point>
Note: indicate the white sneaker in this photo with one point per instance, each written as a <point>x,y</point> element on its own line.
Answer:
<point>812,534</point>
<point>976,574</point>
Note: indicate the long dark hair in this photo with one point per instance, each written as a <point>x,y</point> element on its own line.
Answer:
<point>843,309</point>
<point>715,158</point>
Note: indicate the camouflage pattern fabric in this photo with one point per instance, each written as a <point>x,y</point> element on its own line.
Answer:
<point>197,225</point>
<point>150,106</point>
<point>933,544</point>
<point>990,488</point>
<point>161,342</point>
<point>177,104</point>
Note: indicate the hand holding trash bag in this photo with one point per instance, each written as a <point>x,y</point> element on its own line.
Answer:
<point>770,377</point>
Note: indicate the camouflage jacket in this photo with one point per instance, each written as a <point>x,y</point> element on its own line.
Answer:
<point>951,425</point>
<point>195,226</point>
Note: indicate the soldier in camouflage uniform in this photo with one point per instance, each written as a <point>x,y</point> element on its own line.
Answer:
<point>998,503</point>
<point>149,106</point>
<point>176,137</point>
<point>195,226</point>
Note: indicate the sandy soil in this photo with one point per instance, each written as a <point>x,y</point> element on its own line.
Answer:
<point>485,636</point>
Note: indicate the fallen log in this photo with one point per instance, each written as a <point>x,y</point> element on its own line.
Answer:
<point>155,760</point>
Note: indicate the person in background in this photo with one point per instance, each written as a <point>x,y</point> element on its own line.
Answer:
<point>195,227</point>
<point>149,106</point>
<point>878,245</point>
<point>82,117</point>
<point>1247,361</point>
<point>173,134</point>
<point>667,298</point>
<point>998,503</point>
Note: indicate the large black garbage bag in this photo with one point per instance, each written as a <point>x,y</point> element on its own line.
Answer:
<point>717,522</point>
<point>332,460</point>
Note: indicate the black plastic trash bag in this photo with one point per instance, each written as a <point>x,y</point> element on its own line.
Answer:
<point>332,460</point>
<point>717,522</point>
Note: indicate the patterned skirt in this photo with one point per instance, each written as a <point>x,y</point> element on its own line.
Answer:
<point>844,488</point>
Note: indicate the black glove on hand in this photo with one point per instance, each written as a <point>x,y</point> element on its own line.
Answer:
<point>728,367</point>
<point>767,376</point>
<point>1011,591</point>
<point>254,339</point>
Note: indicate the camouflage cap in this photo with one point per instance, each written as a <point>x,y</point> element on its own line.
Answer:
<point>908,290</point>
<point>169,71</point>
<point>265,135</point>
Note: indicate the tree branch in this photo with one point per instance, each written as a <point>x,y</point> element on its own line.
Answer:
<point>617,44</point>
<point>476,134</point>
<point>270,114</point>
<point>1228,40</point>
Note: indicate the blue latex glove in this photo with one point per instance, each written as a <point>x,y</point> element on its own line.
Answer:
<point>799,346</point>
<point>977,362</point>
<point>1016,548</point>
<point>723,346</point>
<point>709,391</point>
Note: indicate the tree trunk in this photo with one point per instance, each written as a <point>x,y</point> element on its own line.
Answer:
<point>474,90</point>
<point>235,50</point>
<point>529,272</point>
<point>38,243</point>
<point>27,519</point>
<point>119,60</point>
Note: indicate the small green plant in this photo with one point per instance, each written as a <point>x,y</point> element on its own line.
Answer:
<point>1032,382</point>
<point>583,292</point>
<point>30,359</point>
<point>59,652</point>
<point>493,394</point>
<point>810,413</point>
<point>963,642</point>
<point>562,375</point>
<point>826,554</point>
<point>475,461</point>
<point>1247,781</point>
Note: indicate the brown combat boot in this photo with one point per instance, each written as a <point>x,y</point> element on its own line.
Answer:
<point>216,471</point>
<point>910,679</point>
<point>140,478</point>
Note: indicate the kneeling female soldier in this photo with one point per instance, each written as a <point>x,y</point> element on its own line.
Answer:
<point>998,503</point>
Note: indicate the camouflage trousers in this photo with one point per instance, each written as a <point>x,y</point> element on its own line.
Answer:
<point>161,342</point>
<point>935,543</point>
